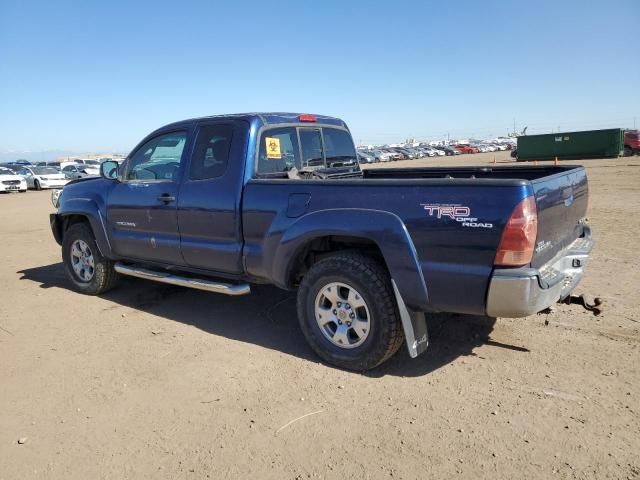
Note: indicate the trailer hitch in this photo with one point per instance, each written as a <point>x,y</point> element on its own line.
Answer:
<point>596,307</point>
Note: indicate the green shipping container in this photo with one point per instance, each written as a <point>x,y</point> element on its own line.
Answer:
<point>572,145</point>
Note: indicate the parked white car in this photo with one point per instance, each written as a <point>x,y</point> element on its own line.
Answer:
<point>43,177</point>
<point>381,156</point>
<point>73,170</point>
<point>92,165</point>
<point>435,151</point>
<point>431,152</point>
<point>11,182</point>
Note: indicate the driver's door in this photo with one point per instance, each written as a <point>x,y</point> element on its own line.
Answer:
<point>142,207</point>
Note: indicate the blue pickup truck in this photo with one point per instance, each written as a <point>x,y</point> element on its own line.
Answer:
<point>222,202</point>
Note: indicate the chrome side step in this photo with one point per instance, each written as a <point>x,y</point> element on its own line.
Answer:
<point>197,283</point>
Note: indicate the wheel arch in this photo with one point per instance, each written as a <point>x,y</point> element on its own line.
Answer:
<point>316,248</point>
<point>380,234</point>
<point>92,217</point>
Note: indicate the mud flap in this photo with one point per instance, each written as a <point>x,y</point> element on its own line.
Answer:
<point>414,325</point>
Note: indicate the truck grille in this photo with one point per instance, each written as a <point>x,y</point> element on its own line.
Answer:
<point>11,182</point>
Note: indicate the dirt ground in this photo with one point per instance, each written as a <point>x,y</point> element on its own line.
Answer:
<point>152,381</point>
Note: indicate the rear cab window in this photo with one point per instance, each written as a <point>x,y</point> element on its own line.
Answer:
<point>283,149</point>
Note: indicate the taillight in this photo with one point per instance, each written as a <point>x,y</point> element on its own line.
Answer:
<point>519,236</point>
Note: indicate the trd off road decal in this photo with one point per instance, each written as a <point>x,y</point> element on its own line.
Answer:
<point>457,212</point>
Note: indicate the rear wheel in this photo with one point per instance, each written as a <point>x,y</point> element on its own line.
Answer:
<point>36,185</point>
<point>628,151</point>
<point>347,312</point>
<point>87,269</point>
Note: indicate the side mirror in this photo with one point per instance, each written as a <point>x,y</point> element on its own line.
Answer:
<point>109,170</point>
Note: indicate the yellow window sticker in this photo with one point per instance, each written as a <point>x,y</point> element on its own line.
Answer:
<point>273,147</point>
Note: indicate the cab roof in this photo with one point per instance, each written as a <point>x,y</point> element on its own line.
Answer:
<point>264,118</point>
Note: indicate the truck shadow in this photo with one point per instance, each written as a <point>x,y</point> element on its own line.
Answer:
<point>268,318</point>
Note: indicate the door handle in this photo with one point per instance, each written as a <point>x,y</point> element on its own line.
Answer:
<point>165,197</point>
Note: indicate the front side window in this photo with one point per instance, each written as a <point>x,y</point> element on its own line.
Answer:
<point>211,155</point>
<point>158,159</point>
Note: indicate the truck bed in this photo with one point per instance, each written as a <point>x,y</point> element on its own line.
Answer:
<point>508,173</point>
<point>456,260</point>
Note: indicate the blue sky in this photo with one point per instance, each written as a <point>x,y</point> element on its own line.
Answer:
<point>88,76</point>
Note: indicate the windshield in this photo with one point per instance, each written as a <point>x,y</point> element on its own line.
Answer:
<point>45,170</point>
<point>92,163</point>
<point>6,171</point>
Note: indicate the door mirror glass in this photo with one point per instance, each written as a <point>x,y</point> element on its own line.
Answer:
<point>109,169</point>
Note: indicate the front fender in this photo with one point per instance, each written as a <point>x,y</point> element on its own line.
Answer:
<point>385,229</point>
<point>88,208</point>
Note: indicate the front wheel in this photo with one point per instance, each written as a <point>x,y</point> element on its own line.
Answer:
<point>36,185</point>
<point>347,312</point>
<point>87,269</point>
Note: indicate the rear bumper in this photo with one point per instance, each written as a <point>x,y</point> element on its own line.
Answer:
<point>521,292</point>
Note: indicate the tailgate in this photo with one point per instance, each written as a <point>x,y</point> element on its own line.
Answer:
<point>561,200</point>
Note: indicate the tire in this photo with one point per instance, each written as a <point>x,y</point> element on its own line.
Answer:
<point>36,185</point>
<point>96,280</point>
<point>628,151</point>
<point>366,282</point>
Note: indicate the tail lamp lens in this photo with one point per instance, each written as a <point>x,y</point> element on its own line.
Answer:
<point>519,236</point>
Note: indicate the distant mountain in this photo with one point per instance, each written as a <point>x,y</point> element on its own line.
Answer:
<point>45,155</point>
<point>48,155</point>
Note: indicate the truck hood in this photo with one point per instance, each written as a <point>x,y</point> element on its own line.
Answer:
<point>82,180</point>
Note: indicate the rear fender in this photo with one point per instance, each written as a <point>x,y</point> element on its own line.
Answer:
<point>385,229</point>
